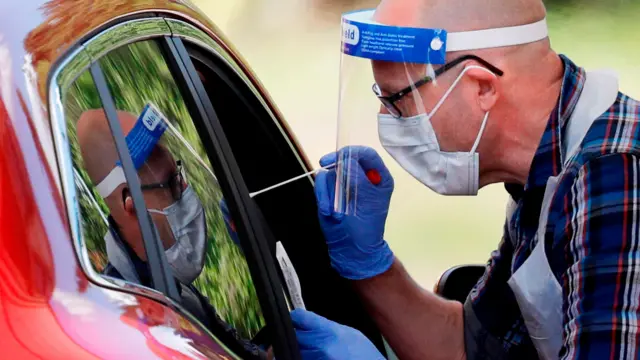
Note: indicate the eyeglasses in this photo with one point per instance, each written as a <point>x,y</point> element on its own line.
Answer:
<point>389,101</point>
<point>174,183</point>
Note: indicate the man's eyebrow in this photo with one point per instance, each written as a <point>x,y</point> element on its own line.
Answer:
<point>400,83</point>
<point>392,87</point>
<point>388,89</point>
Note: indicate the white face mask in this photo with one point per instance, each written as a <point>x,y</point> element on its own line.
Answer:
<point>412,142</point>
<point>187,221</point>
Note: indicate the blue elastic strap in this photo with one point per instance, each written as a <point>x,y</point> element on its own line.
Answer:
<point>362,37</point>
<point>145,134</point>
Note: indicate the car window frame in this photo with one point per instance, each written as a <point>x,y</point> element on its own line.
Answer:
<point>247,89</point>
<point>206,43</point>
<point>85,57</point>
<point>253,235</point>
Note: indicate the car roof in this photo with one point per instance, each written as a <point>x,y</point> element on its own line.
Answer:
<point>35,35</point>
<point>40,32</point>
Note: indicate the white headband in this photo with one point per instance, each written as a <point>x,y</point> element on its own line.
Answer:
<point>111,182</point>
<point>491,38</point>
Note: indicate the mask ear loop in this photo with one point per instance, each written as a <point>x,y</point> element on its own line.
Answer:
<point>156,211</point>
<point>477,142</point>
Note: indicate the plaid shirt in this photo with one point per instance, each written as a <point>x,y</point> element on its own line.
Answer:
<point>592,239</point>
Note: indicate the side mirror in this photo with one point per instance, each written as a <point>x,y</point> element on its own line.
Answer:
<point>457,282</point>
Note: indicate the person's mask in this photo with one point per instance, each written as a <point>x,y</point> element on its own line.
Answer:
<point>412,142</point>
<point>187,220</point>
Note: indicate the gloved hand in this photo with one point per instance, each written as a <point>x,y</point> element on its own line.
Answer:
<point>356,245</point>
<point>323,339</point>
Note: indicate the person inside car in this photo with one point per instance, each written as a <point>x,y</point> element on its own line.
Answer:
<point>176,212</point>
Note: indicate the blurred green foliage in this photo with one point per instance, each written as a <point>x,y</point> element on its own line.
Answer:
<point>138,74</point>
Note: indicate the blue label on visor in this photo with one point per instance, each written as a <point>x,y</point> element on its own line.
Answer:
<point>145,135</point>
<point>362,37</point>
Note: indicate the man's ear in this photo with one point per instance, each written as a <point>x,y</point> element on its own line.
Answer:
<point>488,87</point>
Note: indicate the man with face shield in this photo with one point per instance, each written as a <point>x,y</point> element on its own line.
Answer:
<point>176,211</point>
<point>472,94</point>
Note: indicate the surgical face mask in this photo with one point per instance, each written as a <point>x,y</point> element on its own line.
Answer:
<point>187,220</point>
<point>413,143</point>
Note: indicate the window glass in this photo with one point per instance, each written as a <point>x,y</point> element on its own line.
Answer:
<point>83,96</point>
<point>180,189</point>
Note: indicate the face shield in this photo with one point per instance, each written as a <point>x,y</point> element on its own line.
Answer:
<point>387,80</point>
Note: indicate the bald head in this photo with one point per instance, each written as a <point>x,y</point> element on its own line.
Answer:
<point>459,15</point>
<point>100,154</point>
<point>470,15</point>
<point>520,63</point>
<point>96,143</point>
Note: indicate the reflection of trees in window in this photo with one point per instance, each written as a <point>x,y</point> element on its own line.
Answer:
<point>136,75</point>
<point>81,96</point>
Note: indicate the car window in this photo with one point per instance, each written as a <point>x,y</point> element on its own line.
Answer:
<point>180,189</point>
<point>267,154</point>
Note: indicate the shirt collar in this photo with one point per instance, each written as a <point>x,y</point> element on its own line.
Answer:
<point>548,158</point>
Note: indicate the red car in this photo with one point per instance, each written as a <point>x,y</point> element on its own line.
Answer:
<point>75,79</point>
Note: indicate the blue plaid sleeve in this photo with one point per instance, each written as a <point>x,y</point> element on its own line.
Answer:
<point>601,284</point>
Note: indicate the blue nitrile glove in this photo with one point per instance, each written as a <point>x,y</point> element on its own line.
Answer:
<point>323,339</point>
<point>228,222</point>
<point>356,245</point>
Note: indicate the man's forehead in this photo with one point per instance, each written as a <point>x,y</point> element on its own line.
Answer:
<point>400,13</point>
<point>161,156</point>
<point>159,164</point>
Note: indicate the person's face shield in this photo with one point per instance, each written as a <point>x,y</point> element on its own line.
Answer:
<point>392,81</point>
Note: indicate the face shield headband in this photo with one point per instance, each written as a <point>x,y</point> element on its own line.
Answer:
<point>363,37</point>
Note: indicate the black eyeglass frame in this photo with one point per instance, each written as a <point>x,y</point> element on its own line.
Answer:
<point>174,183</point>
<point>389,101</point>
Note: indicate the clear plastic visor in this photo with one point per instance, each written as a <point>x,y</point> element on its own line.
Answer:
<point>377,85</point>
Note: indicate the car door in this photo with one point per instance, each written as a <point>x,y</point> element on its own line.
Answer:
<point>112,77</point>
<point>231,142</point>
<point>267,153</point>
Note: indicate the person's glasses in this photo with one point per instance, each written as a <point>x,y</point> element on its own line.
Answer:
<point>389,101</point>
<point>175,183</point>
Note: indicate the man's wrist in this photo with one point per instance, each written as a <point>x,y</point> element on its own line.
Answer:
<point>364,266</point>
<point>391,273</point>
